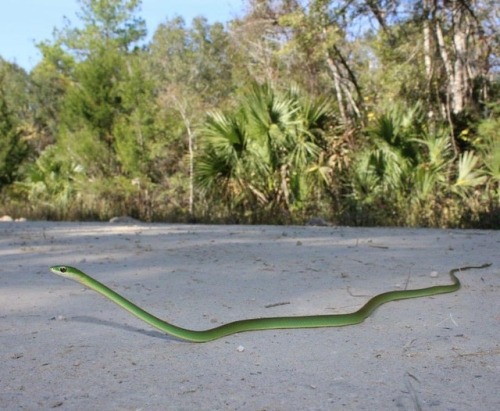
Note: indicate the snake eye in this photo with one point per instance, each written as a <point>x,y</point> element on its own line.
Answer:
<point>63,269</point>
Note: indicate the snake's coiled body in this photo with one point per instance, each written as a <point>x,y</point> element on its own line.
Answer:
<point>313,321</point>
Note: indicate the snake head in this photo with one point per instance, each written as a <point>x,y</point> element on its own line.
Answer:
<point>65,271</point>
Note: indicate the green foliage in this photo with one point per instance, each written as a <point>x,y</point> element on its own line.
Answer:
<point>468,174</point>
<point>414,181</point>
<point>266,152</point>
<point>489,144</point>
<point>397,71</point>
<point>49,184</point>
<point>196,58</point>
<point>16,91</point>
<point>108,23</point>
<point>390,123</point>
<point>13,150</point>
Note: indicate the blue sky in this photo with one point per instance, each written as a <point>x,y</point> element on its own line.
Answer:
<point>25,22</point>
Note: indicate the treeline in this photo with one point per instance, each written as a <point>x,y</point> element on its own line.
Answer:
<point>359,112</point>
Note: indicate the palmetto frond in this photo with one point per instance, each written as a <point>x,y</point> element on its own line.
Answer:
<point>226,134</point>
<point>491,157</point>
<point>468,175</point>
<point>224,141</point>
<point>266,147</point>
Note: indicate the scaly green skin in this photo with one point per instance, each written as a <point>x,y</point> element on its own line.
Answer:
<point>313,321</point>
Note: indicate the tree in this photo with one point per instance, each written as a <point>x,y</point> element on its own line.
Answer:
<point>103,104</point>
<point>13,149</point>
<point>14,121</point>
<point>93,100</point>
<point>310,43</point>
<point>108,24</point>
<point>196,58</point>
<point>50,80</point>
<point>191,69</point>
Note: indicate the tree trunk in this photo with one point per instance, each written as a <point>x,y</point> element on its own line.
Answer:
<point>459,85</point>
<point>428,57</point>
<point>338,88</point>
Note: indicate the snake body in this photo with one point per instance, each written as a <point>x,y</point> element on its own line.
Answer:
<point>268,323</point>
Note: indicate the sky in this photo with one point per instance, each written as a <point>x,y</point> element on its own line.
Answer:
<point>23,23</point>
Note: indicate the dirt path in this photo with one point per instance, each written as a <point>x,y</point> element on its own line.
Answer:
<point>68,348</point>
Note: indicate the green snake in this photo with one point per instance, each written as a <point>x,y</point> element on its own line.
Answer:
<point>267,323</point>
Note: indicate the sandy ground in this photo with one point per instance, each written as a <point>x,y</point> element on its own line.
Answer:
<point>65,347</point>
